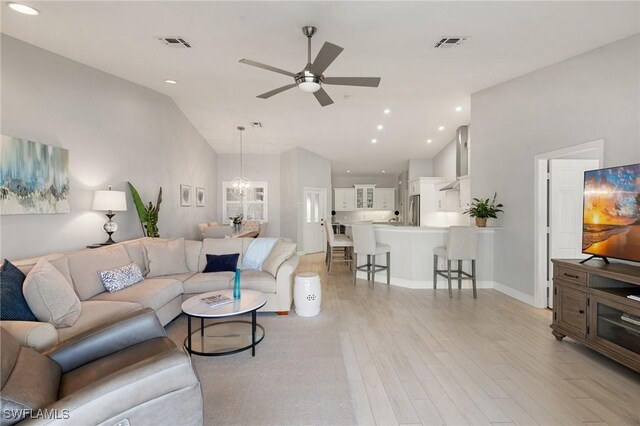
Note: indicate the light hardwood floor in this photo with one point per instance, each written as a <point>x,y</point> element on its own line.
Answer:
<point>418,357</point>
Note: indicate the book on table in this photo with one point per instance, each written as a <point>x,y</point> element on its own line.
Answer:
<point>216,300</point>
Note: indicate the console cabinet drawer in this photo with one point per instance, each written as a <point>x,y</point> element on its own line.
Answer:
<point>570,275</point>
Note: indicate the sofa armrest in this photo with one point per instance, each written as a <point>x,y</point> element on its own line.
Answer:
<point>284,283</point>
<point>37,335</point>
<point>106,339</point>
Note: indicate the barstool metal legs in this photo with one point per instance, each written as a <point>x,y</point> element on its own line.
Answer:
<point>435,271</point>
<point>449,277</point>
<point>388,268</point>
<point>459,274</point>
<point>473,278</point>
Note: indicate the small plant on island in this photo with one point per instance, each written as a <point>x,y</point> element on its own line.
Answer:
<point>482,208</point>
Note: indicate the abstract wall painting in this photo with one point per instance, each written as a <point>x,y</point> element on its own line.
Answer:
<point>34,177</point>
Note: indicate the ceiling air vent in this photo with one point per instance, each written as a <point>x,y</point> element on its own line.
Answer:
<point>449,42</point>
<point>175,42</point>
<point>256,124</point>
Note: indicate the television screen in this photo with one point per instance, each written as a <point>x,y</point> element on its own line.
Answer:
<point>611,218</point>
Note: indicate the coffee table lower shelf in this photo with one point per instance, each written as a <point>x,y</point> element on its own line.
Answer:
<point>223,338</point>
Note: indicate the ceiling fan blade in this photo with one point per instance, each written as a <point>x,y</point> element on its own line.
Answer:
<point>353,81</point>
<point>266,67</point>
<point>327,54</point>
<point>323,97</point>
<point>276,91</point>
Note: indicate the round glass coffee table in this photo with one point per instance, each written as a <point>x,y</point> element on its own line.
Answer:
<point>226,337</point>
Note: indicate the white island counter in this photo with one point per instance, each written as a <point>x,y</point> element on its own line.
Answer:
<point>412,256</point>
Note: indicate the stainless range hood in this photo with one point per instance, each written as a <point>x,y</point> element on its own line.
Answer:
<point>462,157</point>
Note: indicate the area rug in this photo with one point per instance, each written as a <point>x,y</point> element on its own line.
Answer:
<point>297,376</point>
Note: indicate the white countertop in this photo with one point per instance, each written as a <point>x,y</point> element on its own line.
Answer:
<point>405,228</point>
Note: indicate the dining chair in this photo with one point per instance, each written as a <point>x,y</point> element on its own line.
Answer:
<point>462,245</point>
<point>339,244</point>
<point>364,243</point>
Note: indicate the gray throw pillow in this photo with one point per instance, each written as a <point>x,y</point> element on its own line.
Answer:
<point>281,251</point>
<point>120,278</point>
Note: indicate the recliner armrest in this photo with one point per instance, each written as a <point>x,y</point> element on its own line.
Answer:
<point>107,339</point>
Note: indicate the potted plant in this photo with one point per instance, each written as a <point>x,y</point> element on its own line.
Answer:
<point>482,209</point>
<point>148,214</point>
<point>237,222</point>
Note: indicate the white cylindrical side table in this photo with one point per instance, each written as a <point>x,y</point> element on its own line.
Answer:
<point>307,294</point>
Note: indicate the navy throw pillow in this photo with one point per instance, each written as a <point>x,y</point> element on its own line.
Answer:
<point>13,305</point>
<point>222,262</point>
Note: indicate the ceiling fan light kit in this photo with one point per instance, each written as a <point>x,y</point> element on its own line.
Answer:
<point>311,78</point>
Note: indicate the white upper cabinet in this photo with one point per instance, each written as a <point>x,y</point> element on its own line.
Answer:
<point>364,196</point>
<point>465,193</point>
<point>344,199</point>
<point>384,199</point>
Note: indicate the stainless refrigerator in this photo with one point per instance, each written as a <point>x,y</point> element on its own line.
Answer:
<point>414,210</point>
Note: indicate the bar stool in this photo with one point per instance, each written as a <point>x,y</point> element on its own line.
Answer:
<point>364,242</point>
<point>462,245</point>
<point>335,244</point>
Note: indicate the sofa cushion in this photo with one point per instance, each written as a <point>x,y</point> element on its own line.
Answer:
<point>58,260</point>
<point>165,257</point>
<point>220,246</point>
<point>192,251</point>
<point>251,279</point>
<point>120,278</point>
<point>30,380</point>
<point>85,264</point>
<point>151,293</point>
<point>281,251</point>
<point>221,263</point>
<point>95,313</point>
<point>50,296</point>
<point>13,305</point>
<point>202,283</point>
<point>136,254</point>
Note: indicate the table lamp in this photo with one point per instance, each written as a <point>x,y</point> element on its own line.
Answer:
<point>109,201</point>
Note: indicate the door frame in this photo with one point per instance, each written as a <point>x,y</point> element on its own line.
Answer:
<point>540,208</point>
<point>323,196</point>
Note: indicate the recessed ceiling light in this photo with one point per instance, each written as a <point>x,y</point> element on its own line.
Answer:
<point>384,171</point>
<point>387,111</point>
<point>458,108</point>
<point>23,8</point>
<point>348,171</point>
<point>374,140</point>
<point>379,127</point>
<point>171,81</point>
<point>429,141</point>
<point>441,128</point>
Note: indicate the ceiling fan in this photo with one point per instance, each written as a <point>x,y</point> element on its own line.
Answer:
<point>311,79</point>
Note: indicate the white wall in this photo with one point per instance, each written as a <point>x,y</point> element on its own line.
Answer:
<point>258,168</point>
<point>420,168</point>
<point>115,131</point>
<point>300,168</point>
<point>591,96</point>
<point>444,163</point>
<point>349,181</point>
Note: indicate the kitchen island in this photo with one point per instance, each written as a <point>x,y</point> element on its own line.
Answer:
<point>412,256</point>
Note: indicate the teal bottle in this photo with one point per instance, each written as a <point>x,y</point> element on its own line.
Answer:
<point>236,285</point>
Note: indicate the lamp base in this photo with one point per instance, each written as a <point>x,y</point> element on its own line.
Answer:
<point>109,241</point>
<point>110,226</point>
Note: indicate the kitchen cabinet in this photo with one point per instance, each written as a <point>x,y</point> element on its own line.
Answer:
<point>414,187</point>
<point>447,201</point>
<point>364,196</point>
<point>344,199</point>
<point>465,193</point>
<point>384,199</point>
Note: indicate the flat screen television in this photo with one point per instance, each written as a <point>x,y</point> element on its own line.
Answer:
<point>611,213</point>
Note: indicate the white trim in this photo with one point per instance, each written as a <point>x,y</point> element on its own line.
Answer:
<point>265,202</point>
<point>539,298</point>
<point>327,213</point>
<point>516,294</point>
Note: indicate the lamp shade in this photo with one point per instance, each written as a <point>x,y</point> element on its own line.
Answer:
<point>109,200</point>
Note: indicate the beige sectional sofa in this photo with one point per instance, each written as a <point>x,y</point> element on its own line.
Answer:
<point>164,294</point>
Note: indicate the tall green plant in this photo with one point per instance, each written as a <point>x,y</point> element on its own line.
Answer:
<point>148,214</point>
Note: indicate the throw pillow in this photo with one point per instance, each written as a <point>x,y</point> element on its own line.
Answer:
<point>13,305</point>
<point>222,262</point>
<point>121,278</point>
<point>50,296</point>
<point>280,252</point>
<point>165,257</point>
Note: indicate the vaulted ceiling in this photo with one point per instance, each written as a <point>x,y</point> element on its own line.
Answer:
<point>421,85</point>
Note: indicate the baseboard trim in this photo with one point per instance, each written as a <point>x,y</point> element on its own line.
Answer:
<point>516,294</point>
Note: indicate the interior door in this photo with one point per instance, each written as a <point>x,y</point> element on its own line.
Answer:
<point>314,214</point>
<point>566,182</point>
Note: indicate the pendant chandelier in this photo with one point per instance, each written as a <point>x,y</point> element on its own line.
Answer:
<point>241,186</point>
